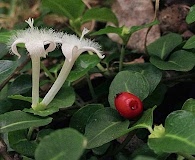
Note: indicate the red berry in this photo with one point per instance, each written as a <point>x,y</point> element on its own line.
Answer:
<point>128,105</point>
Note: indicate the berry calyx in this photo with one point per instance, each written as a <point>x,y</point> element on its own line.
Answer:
<point>128,105</point>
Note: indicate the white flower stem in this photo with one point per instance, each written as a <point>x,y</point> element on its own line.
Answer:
<point>66,68</point>
<point>35,80</point>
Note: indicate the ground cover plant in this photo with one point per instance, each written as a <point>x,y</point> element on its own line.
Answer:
<point>69,91</point>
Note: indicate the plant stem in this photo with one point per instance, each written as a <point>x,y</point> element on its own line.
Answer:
<point>29,134</point>
<point>35,80</point>
<point>121,57</point>
<point>187,156</point>
<point>91,87</point>
<point>47,72</point>
<point>66,68</point>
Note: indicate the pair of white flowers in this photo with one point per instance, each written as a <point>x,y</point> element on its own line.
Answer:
<point>38,43</point>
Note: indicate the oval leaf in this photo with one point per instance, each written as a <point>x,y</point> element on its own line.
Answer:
<point>69,8</point>
<point>189,105</point>
<point>100,14</point>
<point>179,61</point>
<point>67,144</point>
<point>128,81</point>
<point>104,126</point>
<point>190,43</point>
<point>80,118</point>
<point>191,15</point>
<point>179,134</point>
<point>16,120</point>
<point>163,46</point>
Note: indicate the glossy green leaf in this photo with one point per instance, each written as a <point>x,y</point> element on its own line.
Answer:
<point>152,74</point>
<point>69,8</point>
<point>16,120</point>
<point>20,85</point>
<point>191,15</point>
<point>190,43</point>
<point>128,81</point>
<point>4,49</point>
<point>64,144</point>
<point>20,144</point>
<point>189,105</point>
<point>163,46</point>
<point>100,14</point>
<point>83,64</point>
<point>104,126</point>
<point>179,134</point>
<point>178,61</point>
<point>80,118</point>
<point>6,69</point>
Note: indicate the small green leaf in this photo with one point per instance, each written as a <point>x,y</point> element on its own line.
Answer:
<point>6,69</point>
<point>191,15</point>
<point>128,81</point>
<point>190,43</point>
<point>179,134</point>
<point>189,105</point>
<point>16,120</point>
<point>81,117</point>
<point>20,144</point>
<point>178,61</point>
<point>152,74</point>
<point>163,46</point>
<point>64,144</point>
<point>69,8</point>
<point>108,29</point>
<point>20,85</point>
<point>83,64</point>
<point>104,126</point>
<point>100,14</point>
<point>20,97</point>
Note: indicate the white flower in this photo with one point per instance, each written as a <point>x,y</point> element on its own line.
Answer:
<point>72,47</point>
<point>37,42</point>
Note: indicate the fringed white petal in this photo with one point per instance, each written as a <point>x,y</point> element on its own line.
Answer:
<point>14,46</point>
<point>67,50</point>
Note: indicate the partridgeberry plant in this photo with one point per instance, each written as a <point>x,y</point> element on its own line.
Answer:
<point>67,93</point>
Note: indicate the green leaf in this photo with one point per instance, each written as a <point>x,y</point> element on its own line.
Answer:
<point>163,46</point>
<point>108,29</point>
<point>191,15</point>
<point>69,8</point>
<point>64,98</point>
<point>189,105</point>
<point>80,118</point>
<point>20,97</point>
<point>4,49</point>
<point>152,74</point>
<point>6,69</point>
<point>100,14</point>
<point>190,43</point>
<point>20,144</point>
<point>179,134</point>
<point>16,120</point>
<point>178,61</point>
<point>83,64</point>
<point>21,84</point>
<point>104,126</point>
<point>128,81</point>
<point>64,144</point>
